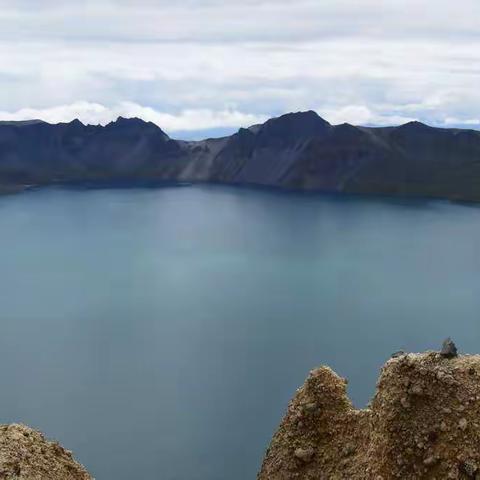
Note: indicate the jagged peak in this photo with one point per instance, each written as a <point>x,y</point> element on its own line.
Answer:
<point>301,116</point>
<point>295,125</point>
<point>78,122</point>
<point>416,125</point>
<point>73,123</point>
<point>347,126</point>
<point>135,123</point>
<point>347,130</point>
<point>129,120</point>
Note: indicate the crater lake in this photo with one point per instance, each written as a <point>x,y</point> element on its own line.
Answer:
<point>160,333</point>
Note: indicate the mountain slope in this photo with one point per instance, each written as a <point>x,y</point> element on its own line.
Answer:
<point>297,150</point>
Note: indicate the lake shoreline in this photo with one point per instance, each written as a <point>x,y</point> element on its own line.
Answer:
<point>6,189</point>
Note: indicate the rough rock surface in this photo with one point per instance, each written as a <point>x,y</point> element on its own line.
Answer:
<point>26,455</point>
<point>423,423</point>
<point>449,350</point>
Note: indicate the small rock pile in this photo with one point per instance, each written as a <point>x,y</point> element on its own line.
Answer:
<point>423,423</point>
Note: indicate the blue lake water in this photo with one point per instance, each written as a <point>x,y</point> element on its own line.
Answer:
<point>159,333</point>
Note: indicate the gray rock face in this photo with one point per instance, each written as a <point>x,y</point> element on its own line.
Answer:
<point>296,151</point>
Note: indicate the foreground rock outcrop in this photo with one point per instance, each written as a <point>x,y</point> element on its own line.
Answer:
<point>26,455</point>
<point>423,423</point>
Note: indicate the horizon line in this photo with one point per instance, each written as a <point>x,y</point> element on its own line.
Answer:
<point>234,129</point>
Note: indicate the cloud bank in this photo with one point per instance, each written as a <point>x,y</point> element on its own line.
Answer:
<point>208,63</point>
<point>97,114</point>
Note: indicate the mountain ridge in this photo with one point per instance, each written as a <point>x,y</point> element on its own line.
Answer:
<point>297,150</point>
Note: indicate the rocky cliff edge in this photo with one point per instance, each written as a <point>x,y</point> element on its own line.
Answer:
<point>423,423</point>
<point>25,454</point>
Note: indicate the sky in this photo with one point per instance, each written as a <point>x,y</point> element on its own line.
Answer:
<point>206,67</point>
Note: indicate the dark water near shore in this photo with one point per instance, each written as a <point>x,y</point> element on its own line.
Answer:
<point>159,334</point>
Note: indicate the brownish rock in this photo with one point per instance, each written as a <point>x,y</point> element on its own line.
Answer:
<point>423,423</point>
<point>26,455</point>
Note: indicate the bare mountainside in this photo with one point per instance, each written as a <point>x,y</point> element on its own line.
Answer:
<point>423,423</point>
<point>295,151</point>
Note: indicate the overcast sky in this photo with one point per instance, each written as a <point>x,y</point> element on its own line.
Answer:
<point>198,66</point>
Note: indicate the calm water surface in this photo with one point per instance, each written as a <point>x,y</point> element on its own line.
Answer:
<point>159,334</point>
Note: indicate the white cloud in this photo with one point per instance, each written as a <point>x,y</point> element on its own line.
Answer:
<point>91,113</point>
<point>362,115</point>
<point>95,113</point>
<point>363,62</point>
<point>458,121</point>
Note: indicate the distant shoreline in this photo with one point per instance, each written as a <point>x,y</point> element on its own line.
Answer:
<point>11,189</point>
<point>158,184</point>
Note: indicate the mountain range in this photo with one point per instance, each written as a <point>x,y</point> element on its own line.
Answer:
<point>295,151</point>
